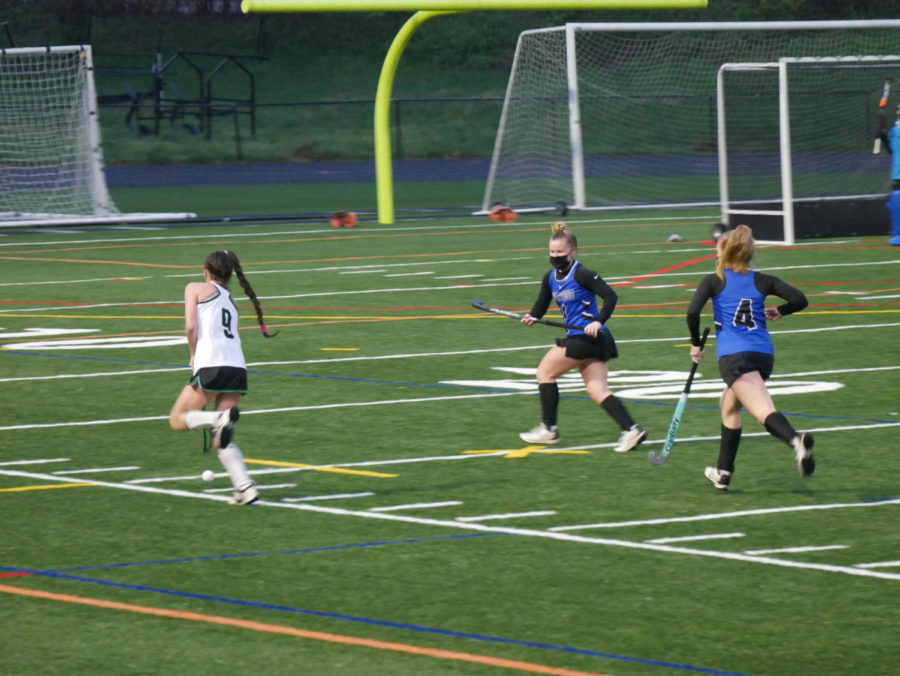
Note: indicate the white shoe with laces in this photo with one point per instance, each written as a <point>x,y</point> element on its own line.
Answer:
<point>541,435</point>
<point>631,439</point>
<point>245,497</point>
<point>719,477</point>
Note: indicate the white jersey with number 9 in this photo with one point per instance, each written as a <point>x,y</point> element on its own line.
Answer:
<point>218,338</point>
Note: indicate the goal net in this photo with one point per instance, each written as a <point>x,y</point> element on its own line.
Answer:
<point>51,162</point>
<point>796,143</point>
<point>603,116</point>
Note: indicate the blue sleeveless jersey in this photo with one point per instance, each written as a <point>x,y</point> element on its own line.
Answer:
<point>739,314</point>
<point>573,299</point>
<point>894,144</point>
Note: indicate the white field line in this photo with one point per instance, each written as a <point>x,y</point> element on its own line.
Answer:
<point>794,550</point>
<point>561,537</point>
<point>879,297</point>
<point>91,375</point>
<point>690,538</point>
<point>286,233</point>
<point>335,496</point>
<point>613,280</point>
<point>513,515</point>
<point>342,269</point>
<point>879,564</point>
<point>97,469</point>
<point>416,355</point>
<point>261,487</point>
<point>33,462</point>
<point>416,505</point>
<point>725,515</point>
<point>193,477</point>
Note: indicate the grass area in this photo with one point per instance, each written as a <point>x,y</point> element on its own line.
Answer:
<point>385,387</point>
<point>288,198</point>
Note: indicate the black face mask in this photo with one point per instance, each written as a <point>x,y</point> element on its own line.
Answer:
<point>560,262</point>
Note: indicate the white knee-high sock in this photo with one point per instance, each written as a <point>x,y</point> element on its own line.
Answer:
<point>201,420</point>
<point>233,461</point>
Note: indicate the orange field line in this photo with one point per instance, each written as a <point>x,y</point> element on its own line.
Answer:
<point>299,633</point>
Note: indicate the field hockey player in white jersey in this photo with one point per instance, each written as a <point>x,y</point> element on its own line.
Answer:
<point>218,369</point>
<point>588,348</point>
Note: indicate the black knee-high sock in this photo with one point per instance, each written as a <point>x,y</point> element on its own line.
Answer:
<point>549,393</point>
<point>779,427</point>
<point>616,409</point>
<point>728,448</point>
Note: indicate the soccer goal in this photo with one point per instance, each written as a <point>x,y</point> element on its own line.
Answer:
<point>795,146</point>
<point>51,161</point>
<point>611,116</point>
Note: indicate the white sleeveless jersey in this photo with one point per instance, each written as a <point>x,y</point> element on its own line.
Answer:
<point>218,338</point>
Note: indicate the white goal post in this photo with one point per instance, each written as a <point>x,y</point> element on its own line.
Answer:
<point>601,116</point>
<point>822,164</point>
<point>51,160</point>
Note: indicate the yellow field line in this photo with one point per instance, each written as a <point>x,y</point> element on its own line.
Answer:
<point>337,470</point>
<point>43,487</point>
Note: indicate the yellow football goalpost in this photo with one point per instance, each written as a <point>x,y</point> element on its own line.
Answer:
<point>425,10</point>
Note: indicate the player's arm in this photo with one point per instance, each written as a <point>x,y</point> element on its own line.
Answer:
<point>191,295</point>
<point>539,309</point>
<point>773,286</point>
<point>594,283</point>
<point>706,289</point>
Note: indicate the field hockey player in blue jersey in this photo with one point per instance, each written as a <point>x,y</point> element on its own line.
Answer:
<point>744,349</point>
<point>575,289</point>
<point>218,369</point>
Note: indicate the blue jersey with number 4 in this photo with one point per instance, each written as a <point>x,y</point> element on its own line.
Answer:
<point>739,312</point>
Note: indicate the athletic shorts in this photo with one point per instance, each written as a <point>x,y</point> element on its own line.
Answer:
<point>733,366</point>
<point>582,346</point>
<point>221,379</point>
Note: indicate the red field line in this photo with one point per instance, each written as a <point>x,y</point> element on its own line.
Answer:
<point>668,269</point>
<point>299,633</point>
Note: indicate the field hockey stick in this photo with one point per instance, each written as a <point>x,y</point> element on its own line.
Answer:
<point>882,110</point>
<point>679,413</point>
<point>479,305</point>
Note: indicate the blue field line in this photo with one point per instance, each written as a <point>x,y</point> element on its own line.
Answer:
<point>439,386</point>
<point>379,623</point>
<point>306,550</point>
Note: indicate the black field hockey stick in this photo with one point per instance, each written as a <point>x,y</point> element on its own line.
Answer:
<point>882,111</point>
<point>679,413</point>
<point>480,305</point>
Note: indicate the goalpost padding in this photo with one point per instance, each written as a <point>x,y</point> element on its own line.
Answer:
<point>605,116</point>
<point>51,161</point>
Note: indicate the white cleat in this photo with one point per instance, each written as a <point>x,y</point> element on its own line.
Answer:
<point>222,431</point>
<point>541,435</point>
<point>803,444</point>
<point>631,439</point>
<point>245,497</point>
<point>719,477</point>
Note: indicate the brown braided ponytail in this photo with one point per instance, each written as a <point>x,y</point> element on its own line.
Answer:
<point>220,265</point>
